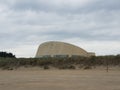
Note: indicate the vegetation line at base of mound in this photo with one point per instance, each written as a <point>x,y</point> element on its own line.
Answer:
<point>60,63</point>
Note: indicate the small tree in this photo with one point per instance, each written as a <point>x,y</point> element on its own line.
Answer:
<point>5,54</point>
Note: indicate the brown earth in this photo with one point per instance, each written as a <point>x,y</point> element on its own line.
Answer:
<point>59,80</point>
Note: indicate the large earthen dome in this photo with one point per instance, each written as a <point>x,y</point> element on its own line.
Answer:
<point>53,48</point>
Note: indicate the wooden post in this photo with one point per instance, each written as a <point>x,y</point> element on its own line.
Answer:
<point>107,65</point>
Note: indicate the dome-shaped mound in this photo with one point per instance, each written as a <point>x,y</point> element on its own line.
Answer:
<point>54,48</point>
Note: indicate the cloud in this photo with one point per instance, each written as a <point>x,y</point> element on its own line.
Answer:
<point>48,5</point>
<point>65,6</point>
<point>27,23</point>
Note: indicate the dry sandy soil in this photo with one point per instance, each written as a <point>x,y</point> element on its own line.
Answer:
<point>59,80</point>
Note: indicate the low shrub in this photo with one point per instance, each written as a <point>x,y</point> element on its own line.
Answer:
<point>66,67</point>
<point>46,67</point>
<point>87,67</point>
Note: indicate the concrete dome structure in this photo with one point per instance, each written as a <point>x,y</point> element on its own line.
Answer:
<point>53,49</point>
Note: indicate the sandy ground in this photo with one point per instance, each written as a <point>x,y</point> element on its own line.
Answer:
<point>59,80</point>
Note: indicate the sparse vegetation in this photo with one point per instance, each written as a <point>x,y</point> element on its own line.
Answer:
<point>60,63</point>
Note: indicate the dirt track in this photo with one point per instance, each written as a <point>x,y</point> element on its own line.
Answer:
<point>59,80</point>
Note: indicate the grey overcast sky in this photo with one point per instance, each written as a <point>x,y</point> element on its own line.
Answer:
<point>91,24</point>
